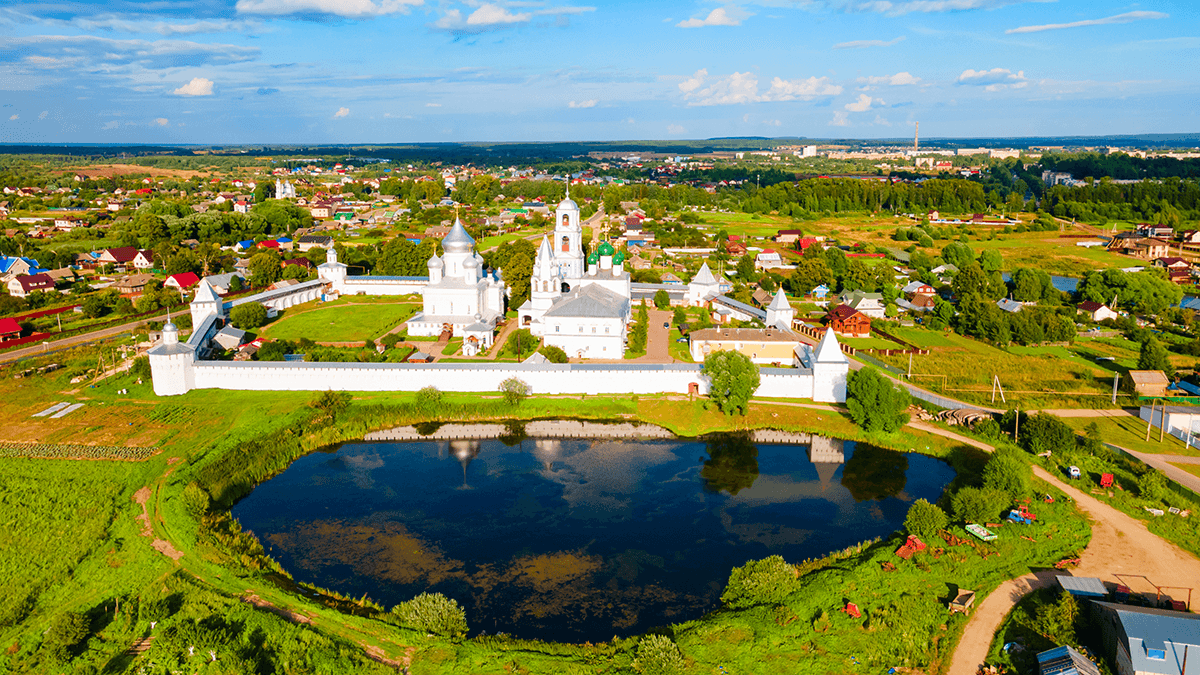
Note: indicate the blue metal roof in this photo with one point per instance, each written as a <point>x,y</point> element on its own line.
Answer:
<point>1156,632</point>
<point>1088,587</point>
<point>1065,661</point>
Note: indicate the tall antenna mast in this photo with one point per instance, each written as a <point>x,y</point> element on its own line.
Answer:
<point>917,138</point>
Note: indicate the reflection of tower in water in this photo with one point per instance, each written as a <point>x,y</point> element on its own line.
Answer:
<point>464,451</point>
<point>547,450</point>
<point>826,454</point>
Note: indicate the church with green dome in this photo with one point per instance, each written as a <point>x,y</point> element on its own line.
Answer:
<point>579,304</point>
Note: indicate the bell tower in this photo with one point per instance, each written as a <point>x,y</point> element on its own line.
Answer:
<point>568,239</point>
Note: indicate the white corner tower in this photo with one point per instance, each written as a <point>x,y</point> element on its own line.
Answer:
<point>171,364</point>
<point>205,303</point>
<point>333,272</point>
<point>780,312</point>
<point>830,368</point>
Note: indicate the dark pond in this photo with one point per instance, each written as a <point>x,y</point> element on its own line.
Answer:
<point>580,539</point>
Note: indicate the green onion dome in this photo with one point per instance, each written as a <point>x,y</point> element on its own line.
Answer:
<point>619,258</point>
<point>606,249</point>
<point>594,258</point>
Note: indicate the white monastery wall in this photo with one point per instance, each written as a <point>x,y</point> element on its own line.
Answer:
<point>543,379</point>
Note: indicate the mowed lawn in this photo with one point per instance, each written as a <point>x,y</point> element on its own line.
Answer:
<point>340,323</point>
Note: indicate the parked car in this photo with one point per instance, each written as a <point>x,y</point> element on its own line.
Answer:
<point>682,340</point>
<point>666,324</point>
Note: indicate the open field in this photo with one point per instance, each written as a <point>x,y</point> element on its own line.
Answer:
<point>869,343</point>
<point>1129,432</point>
<point>1193,469</point>
<point>344,321</point>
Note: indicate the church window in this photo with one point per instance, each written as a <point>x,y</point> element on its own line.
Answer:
<point>566,288</point>
<point>608,329</point>
<point>566,221</point>
<point>593,330</point>
<point>566,244</point>
<point>581,329</point>
<point>557,329</point>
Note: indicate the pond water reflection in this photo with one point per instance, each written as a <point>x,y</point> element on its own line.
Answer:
<point>575,540</point>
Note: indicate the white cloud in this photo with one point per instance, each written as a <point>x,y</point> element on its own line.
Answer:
<point>14,117</point>
<point>806,90</point>
<point>199,86</point>
<point>863,104</point>
<point>863,44</point>
<point>929,6</point>
<point>692,83</point>
<point>350,9</point>
<point>341,112</point>
<point>675,129</point>
<point>489,16</point>
<point>43,115</point>
<point>162,121</point>
<point>840,119</point>
<point>1127,17</point>
<point>96,54</point>
<point>995,79</point>
<point>111,124</point>
<point>899,79</point>
<point>775,123</point>
<point>630,120</point>
<point>730,15</point>
<point>881,121</point>
<point>746,117</point>
<point>433,105</point>
<point>590,103</point>
<point>743,88</point>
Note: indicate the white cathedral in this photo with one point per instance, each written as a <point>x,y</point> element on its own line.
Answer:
<point>584,310</point>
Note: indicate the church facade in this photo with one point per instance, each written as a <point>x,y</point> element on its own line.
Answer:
<point>580,306</point>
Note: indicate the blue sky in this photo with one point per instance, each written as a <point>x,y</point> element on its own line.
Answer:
<point>392,71</point>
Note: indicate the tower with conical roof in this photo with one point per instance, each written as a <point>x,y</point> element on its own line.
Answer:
<point>205,303</point>
<point>171,364</point>
<point>780,312</point>
<point>568,240</point>
<point>830,369</point>
<point>702,286</point>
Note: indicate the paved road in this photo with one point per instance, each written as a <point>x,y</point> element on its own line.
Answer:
<point>658,341</point>
<point>66,343</point>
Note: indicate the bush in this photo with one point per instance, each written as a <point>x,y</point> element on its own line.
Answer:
<point>1009,475</point>
<point>195,500</point>
<point>515,390</point>
<point>141,369</point>
<point>388,341</point>
<point>428,397</point>
<point>662,300</point>
<point>925,520</point>
<point>67,631</point>
<point>758,582</point>
<point>554,354</point>
<point>978,505</point>
<point>248,316</point>
<point>988,428</point>
<point>332,403</point>
<point>433,613</point>
<point>1153,486</point>
<point>679,315</point>
<point>658,655</point>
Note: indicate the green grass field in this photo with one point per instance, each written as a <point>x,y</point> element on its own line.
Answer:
<point>346,321</point>
<point>869,343</point>
<point>1129,432</point>
<point>1193,469</point>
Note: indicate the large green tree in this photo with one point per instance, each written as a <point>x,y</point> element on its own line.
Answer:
<point>517,272</point>
<point>734,379</point>
<point>1154,356</point>
<point>875,402</point>
<point>265,268</point>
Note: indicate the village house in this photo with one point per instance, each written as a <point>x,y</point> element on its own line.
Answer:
<point>1172,263</point>
<point>20,287</point>
<point>9,329</point>
<point>768,259</point>
<point>133,284</point>
<point>870,304</point>
<point>118,257</point>
<point>1149,382</point>
<point>849,322</point>
<point>1096,311</point>
<point>12,267</point>
<point>1148,639</point>
<point>914,288</point>
<point>788,236</point>
<point>1154,231</point>
<point>181,281</point>
<point>144,260</point>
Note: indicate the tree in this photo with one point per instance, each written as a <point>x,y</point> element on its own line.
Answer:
<point>1044,432</point>
<point>970,280</point>
<point>679,316</point>
<point>661,299</point>
<point>1154,356</point>
<point>811,272</point>
<point>248,315</point>
<point>925,520</point>
<point>554,354</point>
<point>1008,474</point>
<point>275,350</point>
<point>429,397</point>
<point>978,505</point>
<point>330,402</point>
<point>1153,486</point>
<point>515,390</point>
<point>732,463</point>
<point>875,402</point>
<point>517,273</point>
<point>264,268</point>
<point>734,379</point>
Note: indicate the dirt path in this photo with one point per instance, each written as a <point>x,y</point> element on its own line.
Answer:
<point>658,338</point>
<point>1120,545</point>
<point>164,547</point>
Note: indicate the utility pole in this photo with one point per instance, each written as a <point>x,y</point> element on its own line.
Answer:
<point>1150,422</point>
<point>1017,426</point>
<point>1116,378</point>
